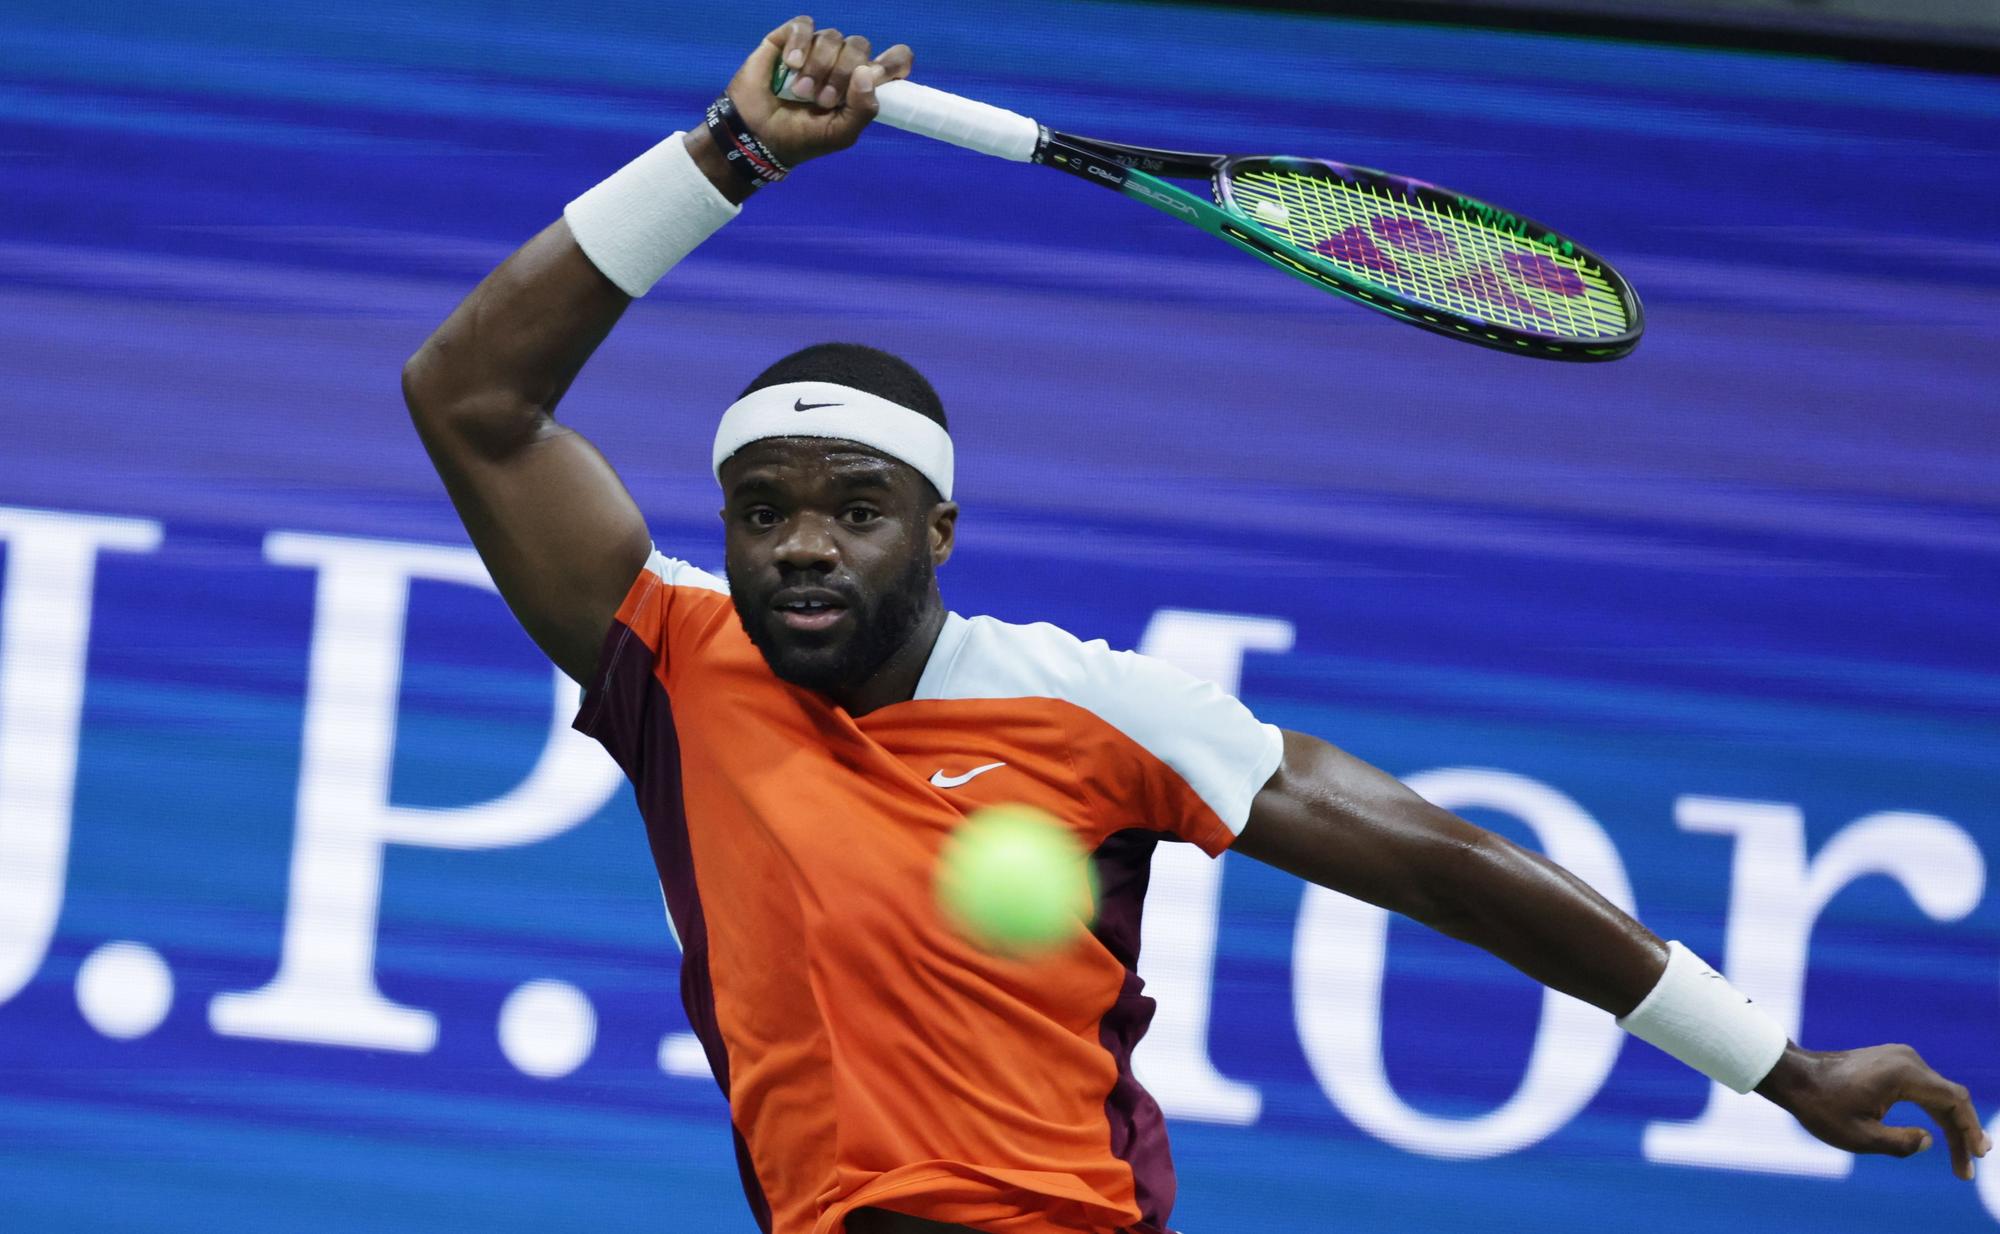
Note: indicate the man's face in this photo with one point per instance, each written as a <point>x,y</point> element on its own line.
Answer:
<point>832,552</point>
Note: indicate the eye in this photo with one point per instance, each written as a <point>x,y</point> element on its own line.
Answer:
<point>861,514</point>
<point>761,516</point>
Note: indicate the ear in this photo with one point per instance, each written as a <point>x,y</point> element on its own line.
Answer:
<point>943,530</point>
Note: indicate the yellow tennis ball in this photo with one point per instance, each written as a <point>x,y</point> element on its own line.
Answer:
<point>1272,213</point>
<point>1014,881</point>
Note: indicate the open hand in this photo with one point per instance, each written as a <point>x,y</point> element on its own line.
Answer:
<point>1841,1096</point>
<point>835,70</point>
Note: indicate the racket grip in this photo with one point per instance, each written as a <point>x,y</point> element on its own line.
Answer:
<point>943,117</point>
<point>961,121</point>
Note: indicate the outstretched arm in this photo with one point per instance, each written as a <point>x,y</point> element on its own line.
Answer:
<point>1328,817</point>
<point>555,527</point>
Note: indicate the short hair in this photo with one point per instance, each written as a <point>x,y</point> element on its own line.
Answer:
<point>858,367</point>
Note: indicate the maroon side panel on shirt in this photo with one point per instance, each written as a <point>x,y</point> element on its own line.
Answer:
<point>1138,1129</point>
<point>627,710</point>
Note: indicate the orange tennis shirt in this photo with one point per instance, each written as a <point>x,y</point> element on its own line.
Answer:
<point>872,1057</point>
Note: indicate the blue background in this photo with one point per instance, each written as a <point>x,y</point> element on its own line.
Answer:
<point>1758,559</point>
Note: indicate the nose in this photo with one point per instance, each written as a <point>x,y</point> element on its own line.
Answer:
<point>808,543</point>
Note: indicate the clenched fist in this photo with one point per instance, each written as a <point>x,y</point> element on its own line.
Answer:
<point>834,77</point>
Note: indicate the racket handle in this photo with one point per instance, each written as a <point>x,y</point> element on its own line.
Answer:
<point>961,121</point>
<point>943,117</point>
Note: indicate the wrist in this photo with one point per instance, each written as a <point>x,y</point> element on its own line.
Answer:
<point>1695,1015</point>
<point>639,222</point>
<point>701,148</point>
<point>1789,1076</point>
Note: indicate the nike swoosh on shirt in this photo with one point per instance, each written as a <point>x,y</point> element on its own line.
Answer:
<point>942,780</point>
<point>799,404</point>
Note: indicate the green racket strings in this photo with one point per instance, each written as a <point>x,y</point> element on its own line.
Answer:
<point>1433,255</point>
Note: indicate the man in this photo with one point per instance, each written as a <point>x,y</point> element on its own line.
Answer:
<point>804,736</point>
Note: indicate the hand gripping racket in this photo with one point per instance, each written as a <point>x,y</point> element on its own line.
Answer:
<point>1422,254</point>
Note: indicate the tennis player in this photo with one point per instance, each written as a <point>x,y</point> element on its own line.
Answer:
<point>803,736</point>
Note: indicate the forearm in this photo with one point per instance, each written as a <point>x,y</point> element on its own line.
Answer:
<point>1546,922</point>
<point>1332,819</point>
<point>1552,926</point>
<point>509,351</point>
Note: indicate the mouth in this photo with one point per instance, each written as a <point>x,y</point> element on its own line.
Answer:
<point>809,611</point>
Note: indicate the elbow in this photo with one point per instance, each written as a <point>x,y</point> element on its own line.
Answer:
<point>419,391</point>
<point>450,416</point>
<point>435,401</point>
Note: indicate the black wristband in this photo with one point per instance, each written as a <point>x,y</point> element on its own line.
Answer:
<point>745,152</point>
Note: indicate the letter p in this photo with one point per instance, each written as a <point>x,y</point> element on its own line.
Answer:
<point>325,990</point>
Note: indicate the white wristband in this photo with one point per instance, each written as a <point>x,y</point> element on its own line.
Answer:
<point>637,224</point>
<point>1694,1014</point>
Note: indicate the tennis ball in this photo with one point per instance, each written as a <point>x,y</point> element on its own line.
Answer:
<point>1273,213</point>
<point>1015,881</point>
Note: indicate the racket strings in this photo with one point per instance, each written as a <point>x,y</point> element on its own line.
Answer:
<point>1430,254</point>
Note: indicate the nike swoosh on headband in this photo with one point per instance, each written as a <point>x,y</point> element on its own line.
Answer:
<point>799,404</point>
<point>942,780</point>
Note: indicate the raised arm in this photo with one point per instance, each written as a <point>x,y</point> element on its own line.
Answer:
<point>549,517</point>
<point>551,520</point>
<point>1328,817</point>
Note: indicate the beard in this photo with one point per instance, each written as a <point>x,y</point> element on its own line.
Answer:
<point>878,627</point>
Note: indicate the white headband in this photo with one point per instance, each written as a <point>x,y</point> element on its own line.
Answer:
<point>823,409</point>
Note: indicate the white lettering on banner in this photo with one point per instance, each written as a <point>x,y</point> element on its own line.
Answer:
<point>1341,948</point>
<point>325,990</point>
<point>51,571</point>
<point>1775,896</point>
<point>1178,930</point>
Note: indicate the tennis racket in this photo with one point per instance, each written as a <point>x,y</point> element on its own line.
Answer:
<point>1437,259</point>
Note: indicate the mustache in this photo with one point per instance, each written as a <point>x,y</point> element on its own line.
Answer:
<point>849,594</point>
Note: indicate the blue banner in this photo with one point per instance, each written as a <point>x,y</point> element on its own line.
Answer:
<point>314,916</point>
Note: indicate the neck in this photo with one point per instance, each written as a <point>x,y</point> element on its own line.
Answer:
<point>896,681</point>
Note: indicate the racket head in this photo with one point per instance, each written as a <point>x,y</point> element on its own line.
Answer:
<point>1432,257</point>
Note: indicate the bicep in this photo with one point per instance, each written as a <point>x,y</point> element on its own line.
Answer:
<point>556,528</point>
<point>1335,820</point>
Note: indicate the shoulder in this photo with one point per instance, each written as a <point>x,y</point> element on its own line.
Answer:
<point>1160,706</point>
<point>673,572</point>
<point>1181,722</point>
<point>990,658</point>
<point>664,597</point>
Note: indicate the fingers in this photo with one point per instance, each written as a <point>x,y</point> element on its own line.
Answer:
<point>822,57</point>
<point>781,45</point>
<point>861,91</point>
<point>785,44</point>
<point>1891,1141</point>
<point>895,63</point>
<point>789,40</point>
<point>1950,1106</point>
<point>824,63</point>
<point>829,97</point>
<point>853,57</point>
